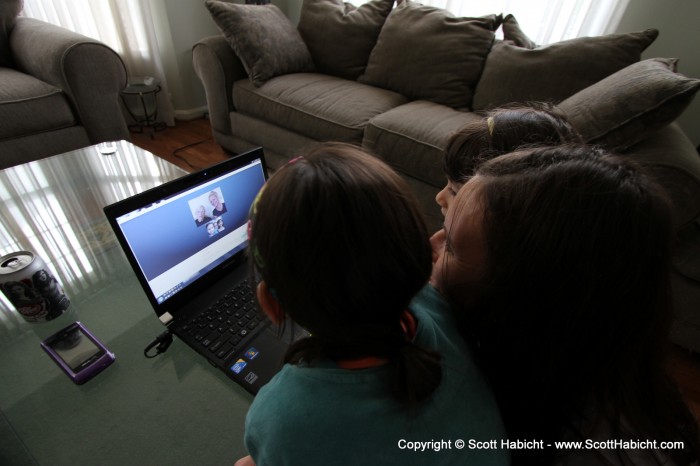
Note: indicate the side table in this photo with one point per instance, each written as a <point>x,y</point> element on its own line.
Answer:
<point>140,101</point>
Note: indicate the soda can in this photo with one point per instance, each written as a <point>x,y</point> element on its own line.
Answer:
<point>31,287</point>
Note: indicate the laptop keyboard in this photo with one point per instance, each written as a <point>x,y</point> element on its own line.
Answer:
<point>224,326</point>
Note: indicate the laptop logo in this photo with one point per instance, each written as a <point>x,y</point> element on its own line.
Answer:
<point>251,377</point>
<point>252,353</point>
<point>239,366</point>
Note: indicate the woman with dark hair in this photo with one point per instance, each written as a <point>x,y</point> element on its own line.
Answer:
<point>558,260</point>
<point>338,245</point>
<point>498,132</point>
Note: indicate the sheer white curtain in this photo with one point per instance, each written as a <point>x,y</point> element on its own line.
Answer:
<point>127,26</point>
<point>544,21</point>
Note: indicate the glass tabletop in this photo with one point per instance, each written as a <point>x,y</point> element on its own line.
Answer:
<point>174,409</point>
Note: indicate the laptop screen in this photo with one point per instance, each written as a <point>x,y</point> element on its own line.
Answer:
<point>181,231</point>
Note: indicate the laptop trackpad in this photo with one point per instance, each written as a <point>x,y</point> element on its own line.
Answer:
<point>260,361</point>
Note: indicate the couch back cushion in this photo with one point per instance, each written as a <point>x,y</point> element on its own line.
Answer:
<point>426,53</point>
<point>627,106</point>
<point>556,71</point>
<point>340,36</point>
<point>264,39</point>
<point>9,9</point>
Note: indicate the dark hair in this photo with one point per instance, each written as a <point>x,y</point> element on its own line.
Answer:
<point>575,310</point>
<point>503,130</point>
<point>340,239</point>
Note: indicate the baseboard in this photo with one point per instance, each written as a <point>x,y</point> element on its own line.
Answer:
<point>191,114</point>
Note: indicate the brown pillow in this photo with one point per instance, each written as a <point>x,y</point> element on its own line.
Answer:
<point>9,9</point>
<point>556,71</point>
<point>625,107</point>
<point>513,33</point>
<point>264,39</point>
<point>341,36</point>
<point>426,53</point>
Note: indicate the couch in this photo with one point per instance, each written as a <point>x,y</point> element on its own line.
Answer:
<point>400,79</point>
<point>59,90</point>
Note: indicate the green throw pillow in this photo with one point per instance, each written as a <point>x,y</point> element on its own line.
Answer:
<point>426,53</point>
<point>264,39</point>
<point>341,36</point>
<point>554,72</point>
<point>627,106</point>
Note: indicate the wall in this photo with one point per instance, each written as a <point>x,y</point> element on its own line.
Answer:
<point>676,20</point>
<point>181,23</point>
<point>679,37</point>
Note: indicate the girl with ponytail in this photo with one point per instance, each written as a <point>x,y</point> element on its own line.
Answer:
<point>339,246</point>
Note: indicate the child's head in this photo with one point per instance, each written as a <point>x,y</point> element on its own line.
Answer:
<point>339,238</point>
<point>498,132</point>
<point>548,222</point>
<point>562,247</point>
<point>340,246</point>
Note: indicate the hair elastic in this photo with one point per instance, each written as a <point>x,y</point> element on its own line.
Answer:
<point>490,123</point>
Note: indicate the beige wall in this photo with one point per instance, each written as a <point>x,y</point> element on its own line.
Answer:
<point>180,24</point>
<point>679,37</point>
<point>676,20</point>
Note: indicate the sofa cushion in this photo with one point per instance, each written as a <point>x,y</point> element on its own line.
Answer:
<point>29,106</point>
<point>264,39</point>
<point>625,107</point>
<point>425,52</point>
<point>412,138</point>
<point>9,9</point>
<point>513,33</point>
<point>557,71</point>
<point>318,106</point>
<point>341,36</point>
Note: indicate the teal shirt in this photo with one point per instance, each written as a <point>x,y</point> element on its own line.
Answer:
<point>331,416</point>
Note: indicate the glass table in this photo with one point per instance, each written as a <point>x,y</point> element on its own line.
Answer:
<point>174,409</point>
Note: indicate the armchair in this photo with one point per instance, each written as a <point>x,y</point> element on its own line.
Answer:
<point>59,91</point>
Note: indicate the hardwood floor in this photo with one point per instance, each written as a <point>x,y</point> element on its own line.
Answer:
<point>189,145</point>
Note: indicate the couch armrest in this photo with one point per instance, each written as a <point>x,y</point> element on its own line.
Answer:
<point>90,73</point>
<point>675,162</point>
<point>218,67</point>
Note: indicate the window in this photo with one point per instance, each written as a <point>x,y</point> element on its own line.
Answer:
<point>544,21</point>
<point>127,26</point>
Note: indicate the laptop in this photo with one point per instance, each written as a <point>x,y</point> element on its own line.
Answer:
<point>186,242</point>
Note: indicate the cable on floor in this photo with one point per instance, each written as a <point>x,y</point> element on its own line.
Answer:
<point>187,146</point>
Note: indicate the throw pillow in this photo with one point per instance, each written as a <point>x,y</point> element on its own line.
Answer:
<point>264,39</point>
<point>341,36</point>
<point>425,52</point>
<point>556,71</point>
<point>625,107</point>
<point>9,9</point>
<point>513,33</point>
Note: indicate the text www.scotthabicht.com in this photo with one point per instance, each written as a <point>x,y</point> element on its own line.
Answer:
<point>471,444</point>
